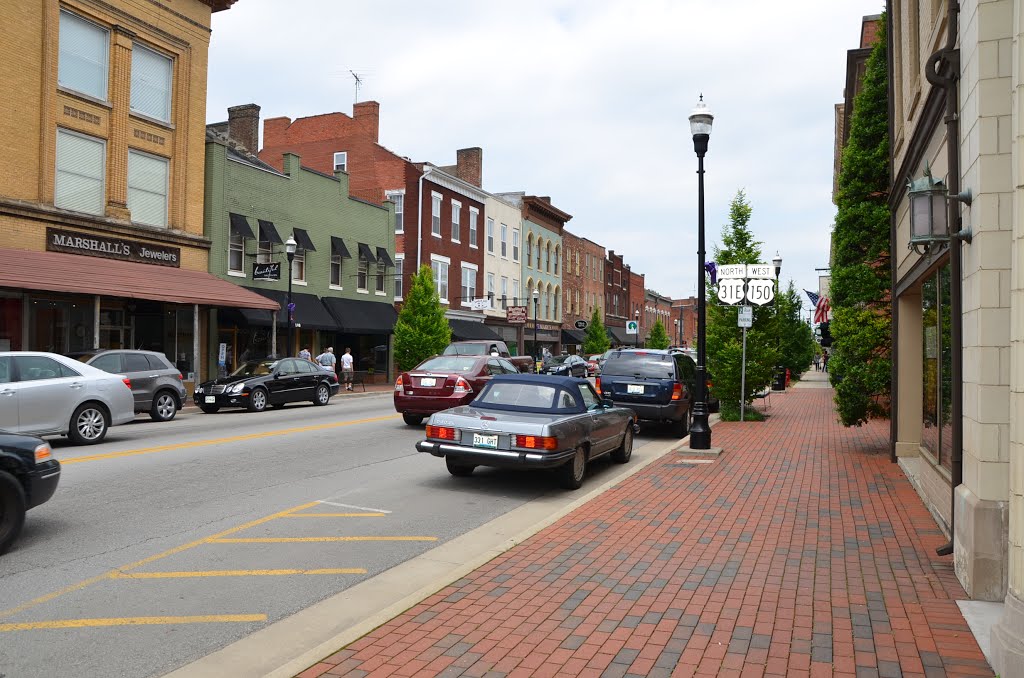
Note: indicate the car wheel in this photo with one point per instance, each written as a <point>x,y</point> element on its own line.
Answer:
<point>457,469</point>
<point>164,407</point>
<point>88,424</point>
<point>258,400</point>
<point>681,428</point>
<point>571,473</point>
<point>622,454</point>
<point>209,409</point>
<point>12,509</point>
<point>323,395</point>
<point>413,419</point>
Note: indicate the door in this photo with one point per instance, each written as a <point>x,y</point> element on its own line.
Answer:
<point>310,377</point>
<point>604,430</point>
<point>285,385</point>
<point>143,377</point>
<point>8,396</point>
<point>48,394</point>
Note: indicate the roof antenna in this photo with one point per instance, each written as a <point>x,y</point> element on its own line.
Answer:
<point>358,83</point>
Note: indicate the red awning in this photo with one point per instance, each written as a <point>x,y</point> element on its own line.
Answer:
<point>58,272</point>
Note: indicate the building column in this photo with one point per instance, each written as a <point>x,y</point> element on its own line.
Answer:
<point>117,144</point>
<point>96,322</point>
<point>273,333</point>
<point>196,357</point>
<point>908,384</point>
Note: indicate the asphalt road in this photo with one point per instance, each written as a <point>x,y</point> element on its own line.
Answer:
<point>169,541</point>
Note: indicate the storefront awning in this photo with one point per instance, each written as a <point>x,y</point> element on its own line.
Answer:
<point>268,232</point>
<point>366,253</point>
<point>310,313</point>
<point>362,317</point>
<point>464,330</point>
<point>302,239</point>
<point>75,274</point>
<point>338,248</point>
<point>573,337</point>
<point>240,226</point>
<point>618,335</point>
<point>384,258</point>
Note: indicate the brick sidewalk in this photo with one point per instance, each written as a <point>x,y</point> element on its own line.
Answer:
<point>801,551</point>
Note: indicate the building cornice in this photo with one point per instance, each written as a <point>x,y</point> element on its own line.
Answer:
<point>454,184</point>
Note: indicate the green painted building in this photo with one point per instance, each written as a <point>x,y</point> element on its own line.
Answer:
<point>342,273</point>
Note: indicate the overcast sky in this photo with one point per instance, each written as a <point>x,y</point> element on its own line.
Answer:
<point>585,101</point>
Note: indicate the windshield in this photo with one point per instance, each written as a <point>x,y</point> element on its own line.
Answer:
<point>448,364</point>
<point>557,360</point>
<point>255,368</point>
<point>466,349</point>
<point>650,365</point>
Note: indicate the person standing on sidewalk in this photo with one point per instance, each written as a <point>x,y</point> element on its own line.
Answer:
<point>327,360</point>
<point>305,354</point>
<point>347,368</point>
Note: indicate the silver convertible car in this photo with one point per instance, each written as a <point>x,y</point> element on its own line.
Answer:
<point>532,421</point>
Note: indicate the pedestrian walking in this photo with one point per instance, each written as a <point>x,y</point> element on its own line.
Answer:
<point>347,368</point>
<point>327,360</point>
<point>824,363</point>
<point>305,354</point>
<point>817,362</point>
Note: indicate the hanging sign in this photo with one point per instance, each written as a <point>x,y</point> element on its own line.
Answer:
<point>516,314</point>
<point>480,304</point>
<point>581,324</point>
<point>266,271</point>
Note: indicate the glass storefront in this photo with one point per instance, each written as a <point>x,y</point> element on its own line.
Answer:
<point>937,361</point>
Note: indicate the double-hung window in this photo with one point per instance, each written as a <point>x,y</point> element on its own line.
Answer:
<point>515,244</point>
<point>515,293</point>
<point>379,282</point>
<point>236,253</point>
<point>529,251</point>
<point>558,257</point>
<point>341,161</point>
<point>151,83</point>
<point>504,292</point>
<point>398,197</point>
<point>81,163</point>
<point>504,241</point>
<point>147,188</point>
<point>336,270</point>
<point>435,214</point>
<point>456,221</point>
<point>399,266</point>
<point>468,283</point>
<point>264,250</point>
<point>490,285</point>
<point>474,217</point>
<point>439,265</point>
<point>362,273</point>
<point>490,235</point>
<point>299,266</point>
<point>83,62</point>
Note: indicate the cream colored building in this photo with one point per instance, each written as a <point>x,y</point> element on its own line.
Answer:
<point>503,251</point>
<point>958,424</point>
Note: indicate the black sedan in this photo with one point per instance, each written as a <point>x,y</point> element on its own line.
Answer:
<point>28,477</point>
<point>258,383</point>
<point>565,366</point>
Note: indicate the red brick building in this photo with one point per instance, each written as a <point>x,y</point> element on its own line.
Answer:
<point>616,299</point>
<point>637,297</point>
<point>439,210</point>
<point>582,282</point>
<point>657,307</point>
<point>684,322</point>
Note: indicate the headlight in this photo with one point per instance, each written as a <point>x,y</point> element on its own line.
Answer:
<point>199,389</point>
<point>237,388</point>
<point>43,452</point>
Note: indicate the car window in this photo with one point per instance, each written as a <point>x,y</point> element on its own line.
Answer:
<point>306,367</point>
<point>687,368</point>
<point>290,366</point>
<point>39,367</point>
<point>108,362</point>
<point>519,395</point>
<point>642,364</point>
<point>494,367</point>
<point>158,362</point>
<point>449,364</point>
<point>254,369</point>
<point>566,401</point>
<point>509,367</point>
<point>465,349</point>
<point>135,362</point>
<point>590,399</point>
<point>5,370</point>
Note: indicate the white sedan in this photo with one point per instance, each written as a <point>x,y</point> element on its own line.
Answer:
<point>49,394</point>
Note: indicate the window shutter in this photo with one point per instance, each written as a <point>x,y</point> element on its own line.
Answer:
<point>147,189</point>
<point>79,181</point>
<point>82,64</point>
<point>151,83</point>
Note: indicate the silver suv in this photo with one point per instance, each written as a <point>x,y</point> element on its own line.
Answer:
<point>156,384</point>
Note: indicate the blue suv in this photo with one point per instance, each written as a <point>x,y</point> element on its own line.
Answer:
<point>657,385</point>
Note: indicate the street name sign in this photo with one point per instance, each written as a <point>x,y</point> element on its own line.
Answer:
<point>746,316</point>
<point>760,292</point>
<point>632,327</point>
<point>730,290</point>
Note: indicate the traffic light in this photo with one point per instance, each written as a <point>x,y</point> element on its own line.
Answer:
<point>826,336</point>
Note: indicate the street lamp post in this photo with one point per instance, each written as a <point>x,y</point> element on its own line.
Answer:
<point>700,430</point>
<point>289,248</point>
<point>780,375</point>
<point>637,316</point>
<point>536,312</point>
<point>679,334</point>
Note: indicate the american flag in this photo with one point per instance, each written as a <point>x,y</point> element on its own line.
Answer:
<point>821,306</point>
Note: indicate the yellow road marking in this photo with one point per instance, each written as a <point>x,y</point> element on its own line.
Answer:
<point>335,515</point>
<point>131,621</point>
<point>219,441</point>
<point>233,573</point>
<point>294,540</point>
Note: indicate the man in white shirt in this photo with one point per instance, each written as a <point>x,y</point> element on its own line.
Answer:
<point>347,369</point>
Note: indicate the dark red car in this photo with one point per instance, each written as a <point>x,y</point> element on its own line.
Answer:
<point>445,381</point>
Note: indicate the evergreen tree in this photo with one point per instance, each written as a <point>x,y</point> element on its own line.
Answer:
<point>861,354</point>
<point>596,339</point>
<point>421,330</point>
<point>724,338</point>
<point>796,342</point>
<point>658,337</point>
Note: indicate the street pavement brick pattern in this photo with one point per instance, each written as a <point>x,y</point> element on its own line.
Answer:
<point>801,551</point>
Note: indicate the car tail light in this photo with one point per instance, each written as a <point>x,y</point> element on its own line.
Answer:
<point>43,453</point>
<point>181,377</point>
<point>462,386</point>
<point>441,432</point>
<point>127,382</point>
<point>537,442</point>
<point>677,391</point>
<point>398,383</point>
<point>597,384</point>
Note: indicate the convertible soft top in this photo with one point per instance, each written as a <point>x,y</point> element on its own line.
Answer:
<point>571,385</point>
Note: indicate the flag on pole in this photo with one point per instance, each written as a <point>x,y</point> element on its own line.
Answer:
<point>821,306</point>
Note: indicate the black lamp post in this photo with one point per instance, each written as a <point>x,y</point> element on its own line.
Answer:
<point>780,369</point>
<point>700,431</point>
<point>536,313</point>
<point>637,316</point>
<point>679,334</point>
<point>289,248</point>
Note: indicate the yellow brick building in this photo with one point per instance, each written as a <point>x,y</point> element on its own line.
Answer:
<point>102,151</point>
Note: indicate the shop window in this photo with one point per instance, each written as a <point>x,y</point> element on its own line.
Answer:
<point>151,83</point>
<point>10,323</point>
<point>147,188</point>
<point>82,64</point>
<point>80,173</point>
<point>937,363</point>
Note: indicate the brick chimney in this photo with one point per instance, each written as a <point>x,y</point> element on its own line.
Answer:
<point>244,126</point>
<point>367,114</point>
<point>469,165</point>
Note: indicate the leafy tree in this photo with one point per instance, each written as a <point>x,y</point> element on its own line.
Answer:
<point>796,338</point>
<point>724,338</point>
<point>421,329</point>
<point>596,339</point>
<point>861,355</point>
<point>658,337</point>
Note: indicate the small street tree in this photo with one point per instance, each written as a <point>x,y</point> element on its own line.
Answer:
<point>596,339</point>
<point>860,358</point>
<point>796,338</point>
<point>724,338</point>
<point>421,329</point>
<point>658,337</point>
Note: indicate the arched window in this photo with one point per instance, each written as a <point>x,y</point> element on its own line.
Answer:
<point>558,257</point>
<point>557,297</point>
<point>547,257</point>
<point>529,249</point>
<point>540,249</point>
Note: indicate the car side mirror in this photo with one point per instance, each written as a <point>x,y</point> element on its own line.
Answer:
<point>607,403</point>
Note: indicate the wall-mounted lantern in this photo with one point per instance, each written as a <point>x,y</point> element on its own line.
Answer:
<point>929,214</point>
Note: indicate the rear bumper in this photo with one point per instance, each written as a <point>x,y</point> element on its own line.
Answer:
<point>42,482</point>
<point>674,411</point>
<point>496,458</point>
<point>425,405</point>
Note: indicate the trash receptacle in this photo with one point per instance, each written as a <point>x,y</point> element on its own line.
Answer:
<point>779,383</point>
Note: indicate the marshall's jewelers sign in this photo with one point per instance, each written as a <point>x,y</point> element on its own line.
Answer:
<point>70,242</point>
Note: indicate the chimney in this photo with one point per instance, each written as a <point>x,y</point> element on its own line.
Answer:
<point>244,126</point>
<point>469,165</point>
<point>367,114</point>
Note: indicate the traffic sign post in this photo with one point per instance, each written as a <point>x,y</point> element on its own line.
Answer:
<point>745,318</point>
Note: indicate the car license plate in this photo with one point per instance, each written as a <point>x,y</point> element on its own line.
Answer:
<point>428,381</point>
<point>485,441</point>
<point>635,389</point>
<point>209,399</point>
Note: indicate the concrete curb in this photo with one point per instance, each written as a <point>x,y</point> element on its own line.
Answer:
<point>295,643</point>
